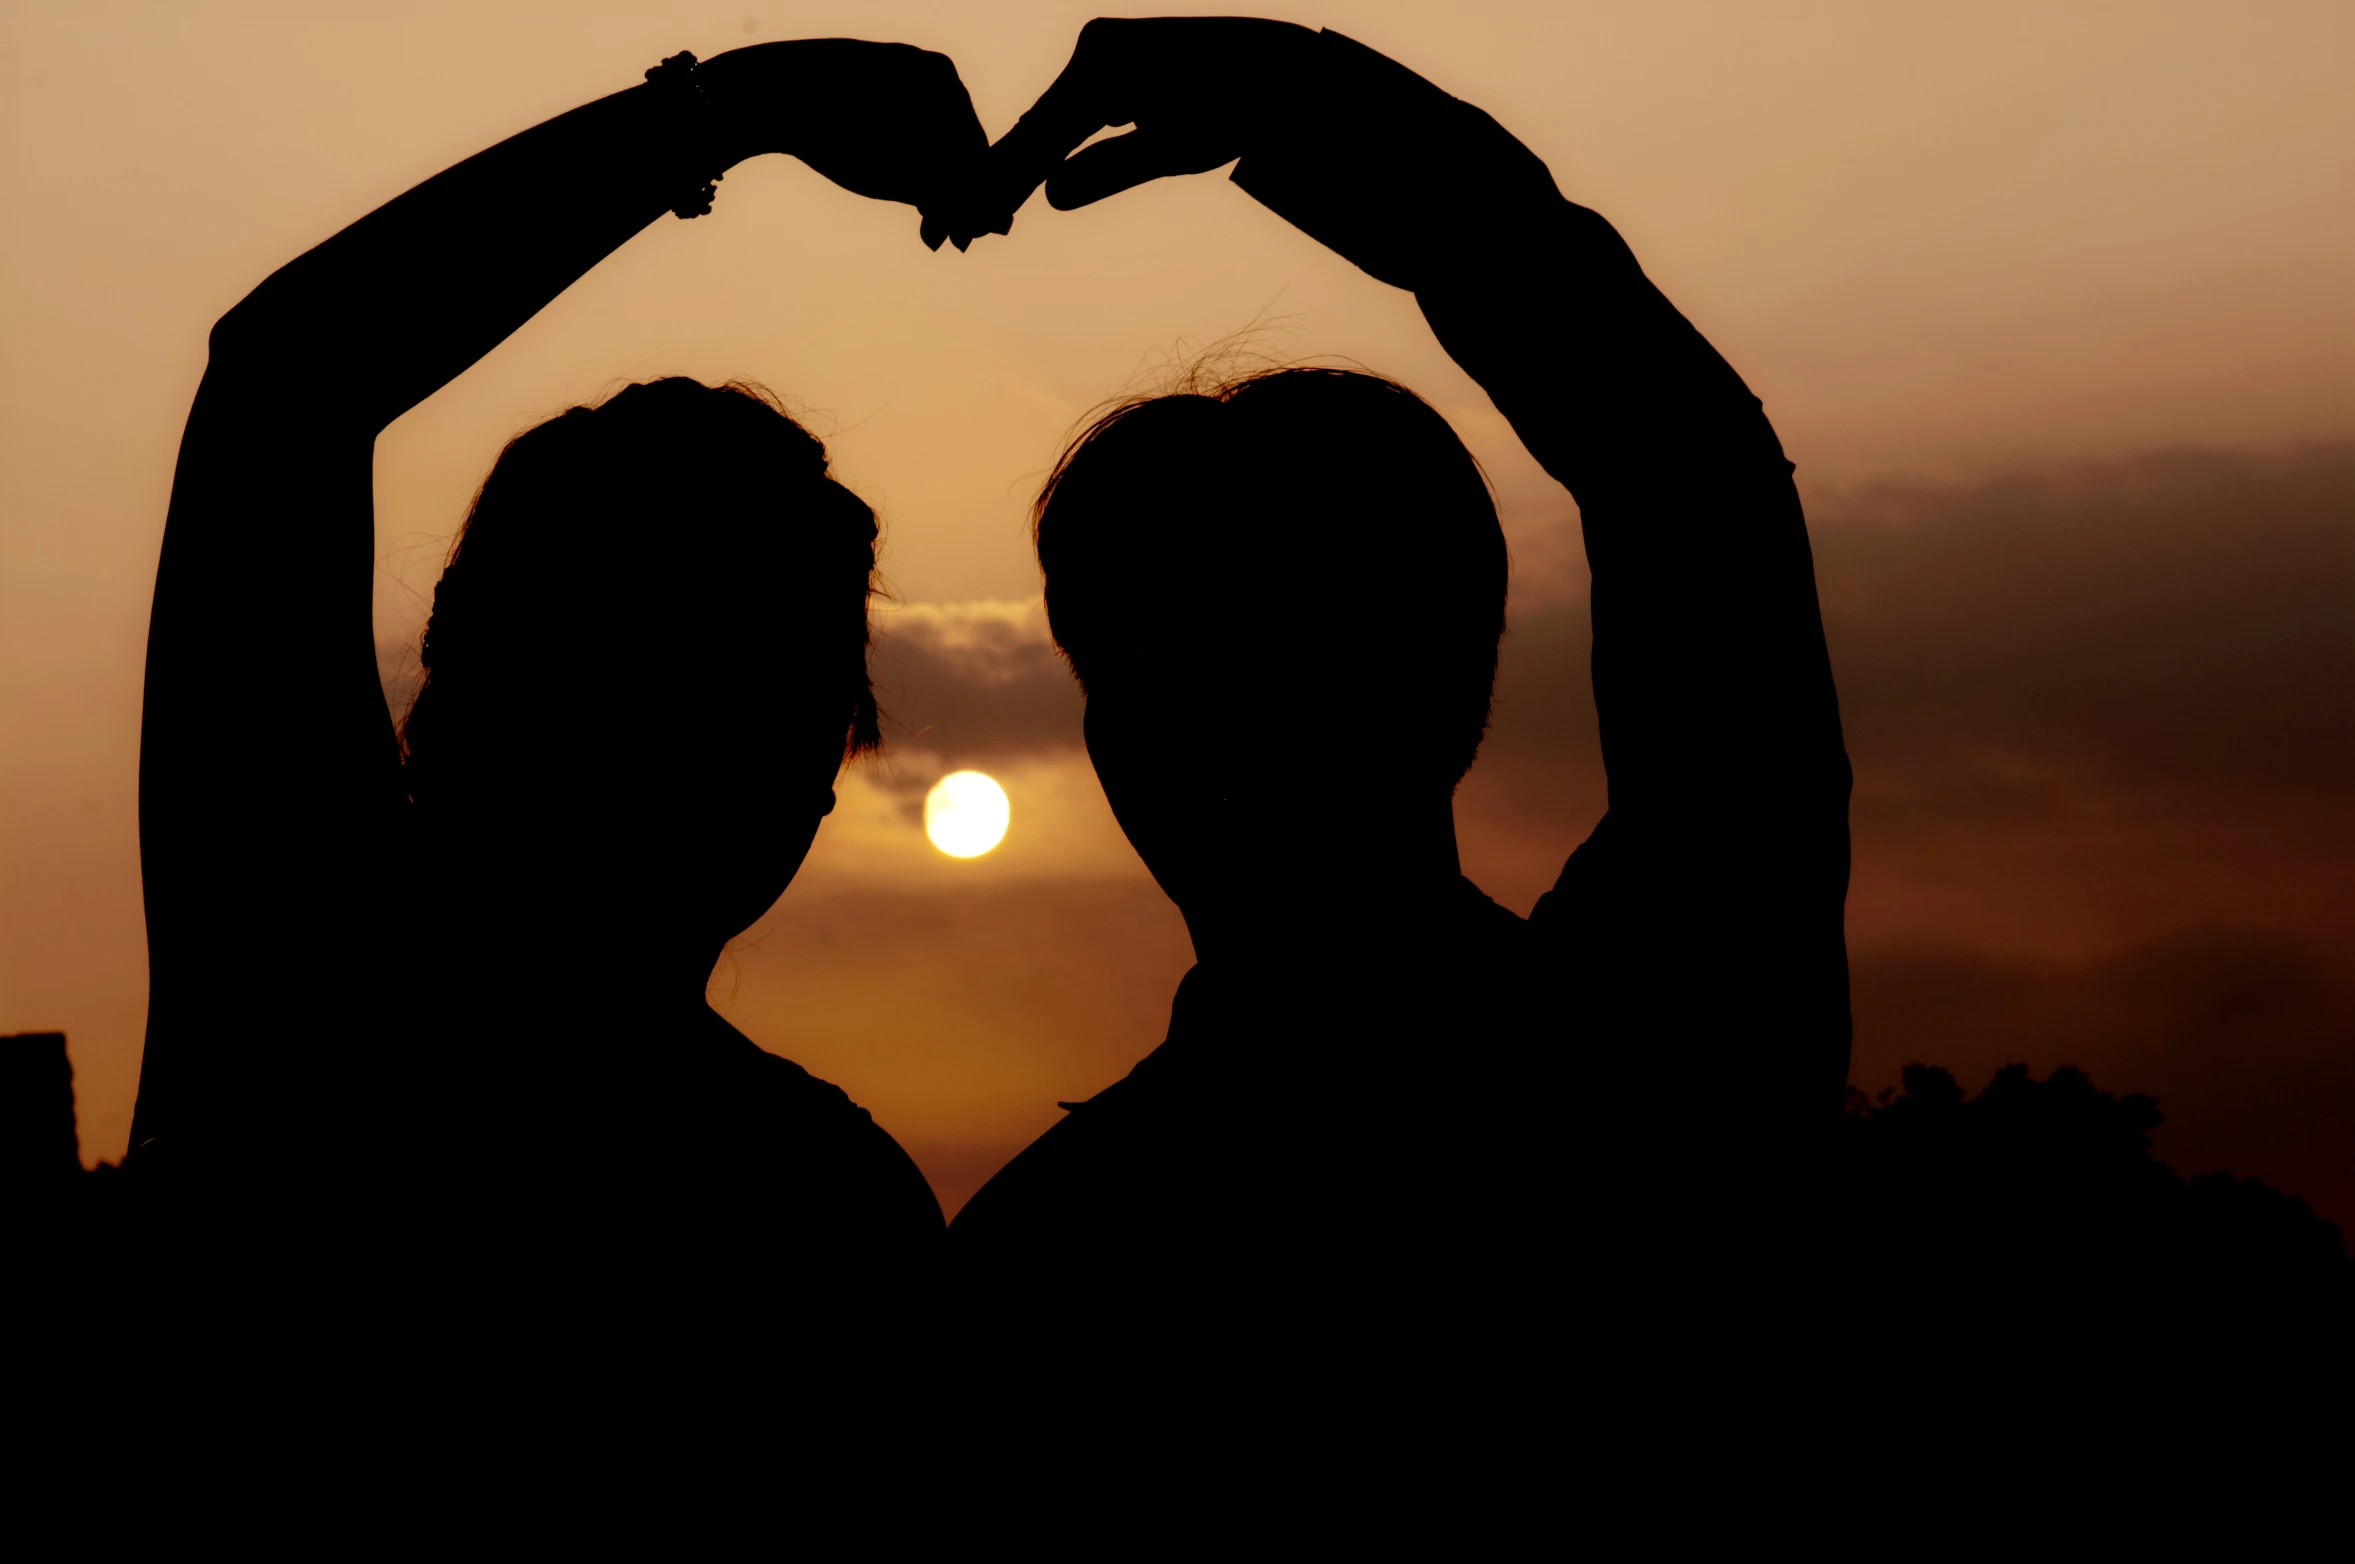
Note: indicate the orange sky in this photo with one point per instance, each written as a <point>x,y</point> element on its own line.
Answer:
<point>1986,265</point>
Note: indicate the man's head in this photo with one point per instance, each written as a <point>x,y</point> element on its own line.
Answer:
<point>1283,598</point>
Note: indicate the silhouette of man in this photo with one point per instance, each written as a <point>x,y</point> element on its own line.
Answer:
<point>1393,1124</point>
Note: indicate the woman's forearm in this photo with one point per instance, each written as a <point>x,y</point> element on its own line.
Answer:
<point>406,299</point>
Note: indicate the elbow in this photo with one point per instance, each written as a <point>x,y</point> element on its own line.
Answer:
<point>231,331</point>
<point>262,357</point>
<point>239,338</point>
<point>259,334</point>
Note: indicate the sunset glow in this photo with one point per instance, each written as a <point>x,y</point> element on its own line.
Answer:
<point>2047,303</point>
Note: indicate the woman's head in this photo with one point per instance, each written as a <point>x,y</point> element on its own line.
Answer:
<point>648,656</point>
<point>1283,597</point>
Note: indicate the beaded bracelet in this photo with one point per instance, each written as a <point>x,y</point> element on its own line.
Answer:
<point>692,112</point>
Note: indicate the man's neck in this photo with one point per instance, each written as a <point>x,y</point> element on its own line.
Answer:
<point>1308,911</point>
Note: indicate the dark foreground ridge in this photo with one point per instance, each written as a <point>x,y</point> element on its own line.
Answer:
<point>2030,1218</point>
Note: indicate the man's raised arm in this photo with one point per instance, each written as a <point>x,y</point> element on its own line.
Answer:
<point>1700,925</point>
<point>1711,894</point>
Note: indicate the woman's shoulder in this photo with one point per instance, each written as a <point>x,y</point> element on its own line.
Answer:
<point>781,1085</point>
<point>742,1080</point>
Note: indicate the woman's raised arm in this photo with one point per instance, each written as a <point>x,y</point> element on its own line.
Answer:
<point>271,800</point>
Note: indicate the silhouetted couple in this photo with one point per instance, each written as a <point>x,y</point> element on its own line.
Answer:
<point>440,994</point>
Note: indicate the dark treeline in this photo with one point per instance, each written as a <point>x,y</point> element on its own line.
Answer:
<point>2044,1181</point>
<point>2054,1180</point>
<point>2026,1200</point>
<point>2023,1283</point>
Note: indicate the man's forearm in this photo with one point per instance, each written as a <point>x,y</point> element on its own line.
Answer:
<point>1709,646</point>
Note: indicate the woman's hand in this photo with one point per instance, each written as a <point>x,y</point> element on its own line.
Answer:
<point>884,120</point>
<point>1197,88</point>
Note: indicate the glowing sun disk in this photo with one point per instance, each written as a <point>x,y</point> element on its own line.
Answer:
<point>965,814</point>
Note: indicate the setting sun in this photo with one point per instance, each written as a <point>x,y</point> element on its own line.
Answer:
<point>965,814</point>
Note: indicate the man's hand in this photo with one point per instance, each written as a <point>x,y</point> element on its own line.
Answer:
<point>885,120</point>
<point>1197,89</point>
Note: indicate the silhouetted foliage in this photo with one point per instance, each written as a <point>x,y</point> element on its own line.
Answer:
<point>2050,1181</point>
<point>2077,1293</point>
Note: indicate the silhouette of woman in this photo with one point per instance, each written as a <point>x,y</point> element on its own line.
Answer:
<point>447,990</point>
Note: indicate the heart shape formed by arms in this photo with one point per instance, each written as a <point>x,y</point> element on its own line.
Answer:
<point>1198,89</point>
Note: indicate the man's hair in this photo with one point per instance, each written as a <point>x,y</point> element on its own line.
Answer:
<point>1321,535</point>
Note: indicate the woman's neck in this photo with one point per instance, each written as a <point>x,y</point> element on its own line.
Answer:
<point>584,975</point>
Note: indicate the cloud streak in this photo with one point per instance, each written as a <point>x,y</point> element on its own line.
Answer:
<point>972,684</point>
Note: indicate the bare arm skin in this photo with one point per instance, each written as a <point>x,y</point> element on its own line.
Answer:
<point>272,809</point>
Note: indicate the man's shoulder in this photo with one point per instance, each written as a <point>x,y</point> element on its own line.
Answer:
<point>811,1132</point>
<point>1075,1176</point>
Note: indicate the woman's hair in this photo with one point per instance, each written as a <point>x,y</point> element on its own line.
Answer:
<point>1312,541</point>
<point>618,551</point>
